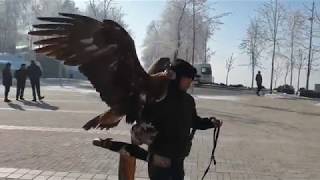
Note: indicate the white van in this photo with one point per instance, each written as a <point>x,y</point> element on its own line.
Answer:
<point>204,72</point>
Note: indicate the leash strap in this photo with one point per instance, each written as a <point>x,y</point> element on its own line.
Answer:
<point>212,158</point>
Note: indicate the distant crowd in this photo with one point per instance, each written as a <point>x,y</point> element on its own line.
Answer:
<point>34,73</point>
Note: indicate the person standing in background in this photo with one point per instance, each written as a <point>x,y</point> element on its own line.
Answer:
<point>259,82</point>
<point>21,76</point>
<point>7,81</point>
<point>34,73</point>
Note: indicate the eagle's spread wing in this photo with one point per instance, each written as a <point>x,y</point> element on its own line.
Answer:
<point>105,53</point>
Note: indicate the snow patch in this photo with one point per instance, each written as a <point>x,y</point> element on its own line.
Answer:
<point>226,98</point>
<point>285,96</point>
<point>69,89</point>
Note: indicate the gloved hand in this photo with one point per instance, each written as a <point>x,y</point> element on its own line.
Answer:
<point>216,122</point>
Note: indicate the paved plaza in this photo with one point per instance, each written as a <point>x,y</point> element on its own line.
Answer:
<point>263,138</point>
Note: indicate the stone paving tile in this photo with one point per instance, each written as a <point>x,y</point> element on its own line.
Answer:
<point>23,171</point>
<point>112,177</point>
<point>69,178</point>
<point>3,175</point>
<point>100,176</point>
<point>47,173</point>
<point>15,176</point>
<point>61,174</point>
<point>28,176</point>
<point>73,175</point>
<point>86,176</point>
<point>41,177</point>
<point>55,178</point>
<point>36,172</point>
<point>7,170</point>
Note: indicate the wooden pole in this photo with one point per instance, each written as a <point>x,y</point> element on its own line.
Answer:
<point>127,167</point>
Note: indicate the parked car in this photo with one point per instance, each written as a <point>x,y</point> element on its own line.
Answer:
<point>204,73</point>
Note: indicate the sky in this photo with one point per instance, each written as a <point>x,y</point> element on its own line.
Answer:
<point>139,13</point>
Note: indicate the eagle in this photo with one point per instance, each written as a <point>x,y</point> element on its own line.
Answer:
<point>105,53</point>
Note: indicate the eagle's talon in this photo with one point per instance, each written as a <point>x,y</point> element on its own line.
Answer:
<point>106,143</point>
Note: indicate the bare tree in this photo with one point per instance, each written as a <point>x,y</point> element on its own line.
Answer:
<point>229,66</point>
<point>203,27</point>
<point>194,29</point>
<point>206,35</point>
<point>315,56</point>
<point>105,9</point>
<point>206,30</point>
<point>207,50</point>
<point>93,8</point>
<point>152,44</point>
<point>277,73</point>
<point>300,65</point>
<point>253,45</point>
<point>183,9</point>
<point>295,22</point>
<point>287,65</point>
<point>11,17</point>
<point>174,37</point>
<point>272,16</point>
<point>106,5</point>
<point>312,10</point>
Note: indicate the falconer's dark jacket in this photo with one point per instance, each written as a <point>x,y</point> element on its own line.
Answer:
<point>174,117</point>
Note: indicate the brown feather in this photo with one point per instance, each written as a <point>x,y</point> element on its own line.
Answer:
<point>47,49</point>
<point>55,40</point>
<point>106,120</point>
<point>48,32</point>
<point>60,54</point>
<point>56,19</point>
<point>53,26</point>
<point>64,54</point>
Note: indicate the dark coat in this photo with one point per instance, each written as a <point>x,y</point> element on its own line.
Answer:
<point>259,79</point>
<point>6,77</point>
<point>21,75</point>
<point>174,117</point>
<point>34,72</point>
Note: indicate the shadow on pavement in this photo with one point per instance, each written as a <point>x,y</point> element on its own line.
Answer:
<point>16,106</point>
<point>41,104</point>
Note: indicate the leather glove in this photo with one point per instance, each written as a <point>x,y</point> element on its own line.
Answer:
<point>216,122</point>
